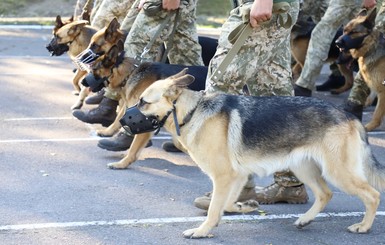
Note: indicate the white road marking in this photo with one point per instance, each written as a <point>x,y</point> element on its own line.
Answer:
<point>171,220</point>
<point>37,118</point>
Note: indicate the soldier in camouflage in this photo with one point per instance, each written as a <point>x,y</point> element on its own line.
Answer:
<point>263,66</point>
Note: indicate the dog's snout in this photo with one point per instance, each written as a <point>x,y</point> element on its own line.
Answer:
<point>340,43</point>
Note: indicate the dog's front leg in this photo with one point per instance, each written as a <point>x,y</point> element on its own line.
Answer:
<point>115,126</point>
<point>140,141</point>
<point>222,186</point>
<point>76,80</point>
<point>378,114</point>
<point>84,92</point>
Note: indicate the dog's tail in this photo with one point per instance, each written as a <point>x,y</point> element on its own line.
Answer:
<point>374,170</point>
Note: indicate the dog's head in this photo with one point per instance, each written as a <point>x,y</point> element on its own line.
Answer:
<point>156,103</point>
<point>357,30</point>
<point>110,69</point>
<point>101,42</point>
<point>64,35</point>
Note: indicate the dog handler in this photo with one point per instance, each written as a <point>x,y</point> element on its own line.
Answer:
<point>262,68</point>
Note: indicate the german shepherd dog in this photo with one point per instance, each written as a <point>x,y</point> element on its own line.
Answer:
<point>230,137</point>
<point>120,71</point>
<point>72,37</point>
<point>367,44</point>
<point>299,40</point>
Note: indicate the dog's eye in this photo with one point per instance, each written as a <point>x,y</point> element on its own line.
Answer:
<point>142,102</point>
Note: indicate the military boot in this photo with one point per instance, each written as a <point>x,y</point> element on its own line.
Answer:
<point>96,98</point>
<point>119,142</point>
<point>354,108</point>
<point>278,193</point>
<point>104,114</point>
<point>203,202</point>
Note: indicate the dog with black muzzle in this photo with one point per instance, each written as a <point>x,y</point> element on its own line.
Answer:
<point>367,44</point>
<point>230,137</point>
<point>115,70</point>
<point>72,37</point>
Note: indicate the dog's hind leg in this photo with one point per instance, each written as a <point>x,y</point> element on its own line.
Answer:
<point>378,114</point>
<point>310,175</point>
<point>348,75</point>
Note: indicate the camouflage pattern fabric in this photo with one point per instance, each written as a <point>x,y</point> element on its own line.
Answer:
<point>315,9</point>
<point>110,9</point>
<point>338,13</point>
<point>95,9</point>
<point>262,63</point>
<point>131,15</point>
<point>185,50</point>
<point>360,90</point>
<point>79,8</point>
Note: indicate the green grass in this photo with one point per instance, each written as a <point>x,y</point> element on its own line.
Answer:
<point>8,7</point>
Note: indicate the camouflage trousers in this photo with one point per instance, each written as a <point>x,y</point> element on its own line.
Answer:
<point>110,9</point>
<point>262,63</point>
<point>185,49</point>
<point>338,13</point>
<point>79,8</point>
<point>360,90</point>
<point>314,9</point>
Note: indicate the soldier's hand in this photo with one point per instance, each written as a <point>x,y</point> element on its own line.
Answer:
<point>261,11</point>
<point>368,3</point>
<point>170,4</point>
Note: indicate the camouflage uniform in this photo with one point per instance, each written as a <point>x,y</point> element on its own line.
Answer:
<point>110,9</point>
<point>262,63</point>
<point>315,9</point>
<point>338,13</point>
<point>185,50</point>
<point>360,90</point>
<point>79,8</point>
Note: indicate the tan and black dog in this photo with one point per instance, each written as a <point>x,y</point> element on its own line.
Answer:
<point>299,41</point>
<point>230,137</point>
<point>367,44</point>
<point>72,37</point>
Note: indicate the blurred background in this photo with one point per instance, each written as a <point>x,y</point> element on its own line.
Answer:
<point>210,13</point>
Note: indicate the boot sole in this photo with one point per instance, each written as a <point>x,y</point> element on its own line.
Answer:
<point>115,148</point>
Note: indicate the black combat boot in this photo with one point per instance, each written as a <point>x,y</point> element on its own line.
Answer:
<point>119,142</point>
<point>300,91</point>
<point>96,98</point>
<point>354,108</point>
<point>333,82</point>
<point>104,114</point>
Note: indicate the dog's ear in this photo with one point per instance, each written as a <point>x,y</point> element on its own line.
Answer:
<point>370,19</point>
<point>179,74</point>
<point>111,29</point>
<point>111,56</point>
<point>177,85</point>
<point>58,22</point>
<point>363,12</point>
<point>71,19</point>
<point>120,45</point>
<point>184,81</point>
<point>76,28</point>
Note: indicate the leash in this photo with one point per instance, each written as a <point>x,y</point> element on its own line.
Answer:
<point>238,36</point>
<point>147,48</point>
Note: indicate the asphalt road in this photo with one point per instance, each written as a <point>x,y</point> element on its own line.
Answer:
<point>55,187</point>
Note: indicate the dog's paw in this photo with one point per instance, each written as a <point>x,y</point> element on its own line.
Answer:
<point>76,106</point>
<point>117,165</point>
<point>103,133</point>
<point>195,233</point>
<point>247,206</point>
<point>300,223</point>
<point>358,228</point>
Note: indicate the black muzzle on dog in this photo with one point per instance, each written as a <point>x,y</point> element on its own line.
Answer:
<point>95,84</point>
<point>135,122</point>
<point>56,49</point>
<point>345,42</point>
